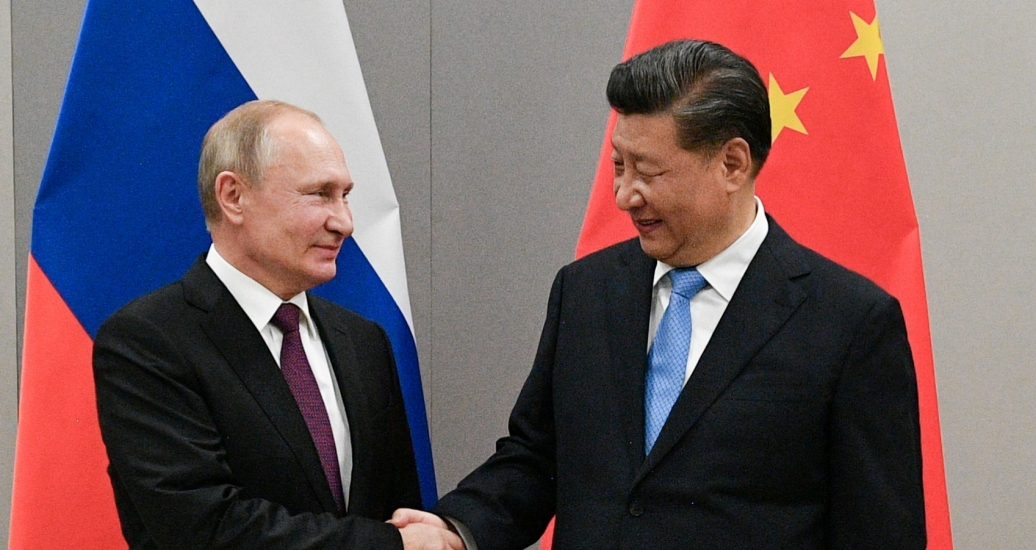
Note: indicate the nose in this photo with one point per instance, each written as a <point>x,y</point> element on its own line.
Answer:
<point>340,219</point>
<point>627,197</point>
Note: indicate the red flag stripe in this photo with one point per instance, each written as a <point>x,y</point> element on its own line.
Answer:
<point>58,419</point>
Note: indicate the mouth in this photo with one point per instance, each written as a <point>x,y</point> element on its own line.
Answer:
<point>332,249</point>
<point>647,225</point>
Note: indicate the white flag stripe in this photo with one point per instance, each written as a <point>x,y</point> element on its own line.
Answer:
<point>303,53</point>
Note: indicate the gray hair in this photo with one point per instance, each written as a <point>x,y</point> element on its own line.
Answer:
<point>239,143</point>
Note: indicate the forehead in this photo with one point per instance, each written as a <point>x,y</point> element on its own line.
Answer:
<point>299,141</point>
<point>644,136</point>
<point>289,129</point>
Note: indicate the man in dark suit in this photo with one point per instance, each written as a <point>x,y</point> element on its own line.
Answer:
<point>239,411</point>
<point>714,385</point>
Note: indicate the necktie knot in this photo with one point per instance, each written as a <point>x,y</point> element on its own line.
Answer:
<point>686,282</point>
<point>287,318</point>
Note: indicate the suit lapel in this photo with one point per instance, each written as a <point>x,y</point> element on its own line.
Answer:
<point>629,310</point>
<point>244,349</point>
<point>763,302</point>
<point>341,351</point>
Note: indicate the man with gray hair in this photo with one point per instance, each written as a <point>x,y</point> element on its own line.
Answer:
<point>712,384</point>
<point>237,409</point>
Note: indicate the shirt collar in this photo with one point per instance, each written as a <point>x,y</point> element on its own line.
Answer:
<point>724,271</point>
<point>258,302</point>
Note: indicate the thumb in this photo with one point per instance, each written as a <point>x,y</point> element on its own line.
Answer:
<point>405,516</point>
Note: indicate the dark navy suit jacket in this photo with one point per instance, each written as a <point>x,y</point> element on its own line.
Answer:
<point>798,428</point>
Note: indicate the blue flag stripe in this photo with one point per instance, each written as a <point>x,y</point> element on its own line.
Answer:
<point>117,213</point>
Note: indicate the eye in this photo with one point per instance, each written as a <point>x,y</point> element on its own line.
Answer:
<point>648,175</point>
<point>619,167</point>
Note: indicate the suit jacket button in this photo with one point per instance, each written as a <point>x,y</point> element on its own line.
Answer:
<point>636,509</point>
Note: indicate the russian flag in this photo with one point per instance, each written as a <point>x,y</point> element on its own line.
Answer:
<point>117,216</point>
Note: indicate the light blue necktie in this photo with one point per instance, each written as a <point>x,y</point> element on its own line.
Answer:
<point>667,361</point>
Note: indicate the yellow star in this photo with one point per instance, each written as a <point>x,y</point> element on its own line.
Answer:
<point>782,109</point>
<point>868,43</point>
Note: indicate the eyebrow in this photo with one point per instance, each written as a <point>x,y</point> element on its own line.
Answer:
<point>639,157</point>
<point>633,156</point>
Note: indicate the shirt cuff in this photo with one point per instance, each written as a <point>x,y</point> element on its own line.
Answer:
<point>462,531</point>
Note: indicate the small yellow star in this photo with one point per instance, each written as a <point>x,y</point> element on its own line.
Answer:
<point>782,109</point>
<point>868,43</point>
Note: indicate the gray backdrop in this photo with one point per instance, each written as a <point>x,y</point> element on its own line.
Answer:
<point>492,116</point>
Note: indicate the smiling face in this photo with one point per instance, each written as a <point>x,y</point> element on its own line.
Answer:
<point>286,231</point>
<point>686,206</point>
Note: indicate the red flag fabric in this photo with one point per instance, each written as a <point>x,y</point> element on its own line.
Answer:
<point>835,178</point>
<point>60,457</point>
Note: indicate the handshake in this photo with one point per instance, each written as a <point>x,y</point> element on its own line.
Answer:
<point>425,531</point>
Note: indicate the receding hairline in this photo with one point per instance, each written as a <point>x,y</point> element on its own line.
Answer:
<point>240,142</point>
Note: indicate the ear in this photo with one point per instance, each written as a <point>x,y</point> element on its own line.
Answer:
<point>735,158</point>
<point>230,189</point>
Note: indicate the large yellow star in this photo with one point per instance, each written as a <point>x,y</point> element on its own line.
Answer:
<point>868,43</point>
<point>782,109</point>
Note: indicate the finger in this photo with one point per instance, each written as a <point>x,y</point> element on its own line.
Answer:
<point>406,516</point>
<point>403,517</point>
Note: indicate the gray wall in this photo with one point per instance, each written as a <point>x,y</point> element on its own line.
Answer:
<point>962,79</point>
<point>8,262</point>
<point>492,115</point>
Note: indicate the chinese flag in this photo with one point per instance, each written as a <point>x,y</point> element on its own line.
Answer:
<point>835,178</point>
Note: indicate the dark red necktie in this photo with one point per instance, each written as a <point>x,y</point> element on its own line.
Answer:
<point>303,386</point>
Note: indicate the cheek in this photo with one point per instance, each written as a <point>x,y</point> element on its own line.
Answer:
<point>678,204</point>
<point>303,223</point>
<point>685,213</point>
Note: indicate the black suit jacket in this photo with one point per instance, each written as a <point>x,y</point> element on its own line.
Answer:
<point>798,428</point>
<point>207,447</point>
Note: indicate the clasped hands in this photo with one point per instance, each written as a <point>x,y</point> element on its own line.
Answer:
<point>424,531</point>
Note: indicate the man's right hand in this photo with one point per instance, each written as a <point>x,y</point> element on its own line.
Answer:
<point>424,531</point>
<point>419,536</point>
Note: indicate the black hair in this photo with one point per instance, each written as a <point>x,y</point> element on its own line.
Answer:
<point>713,94</point>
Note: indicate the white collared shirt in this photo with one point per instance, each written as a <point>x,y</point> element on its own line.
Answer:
<point>260,304</point>
<point>723,273</point>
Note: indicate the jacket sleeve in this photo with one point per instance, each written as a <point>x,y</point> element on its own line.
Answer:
<point>507,502</point>
<point>875,487</point>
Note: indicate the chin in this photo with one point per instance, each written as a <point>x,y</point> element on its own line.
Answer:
<point>654,250</point>
<point>322,275</point>
<point>325,277</point>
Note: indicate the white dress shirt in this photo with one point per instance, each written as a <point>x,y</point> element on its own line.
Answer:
<point>260,305</point>
<point>723,274</point>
